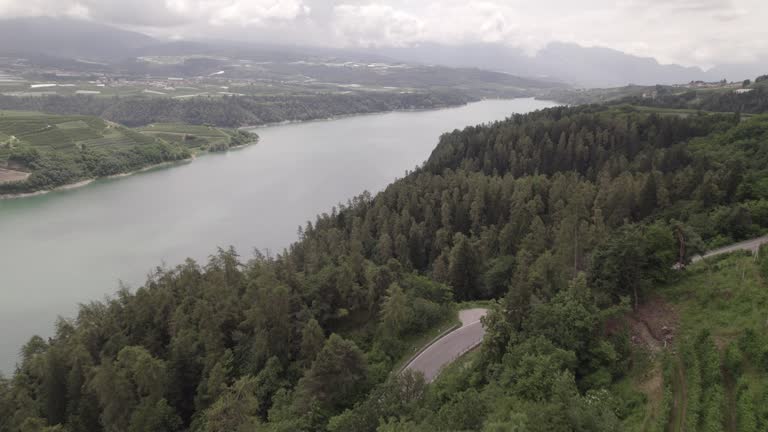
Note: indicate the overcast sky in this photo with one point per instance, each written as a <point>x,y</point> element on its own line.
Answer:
<point>689,32</point>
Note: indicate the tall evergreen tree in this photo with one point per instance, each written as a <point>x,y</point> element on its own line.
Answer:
<point>464,269</point>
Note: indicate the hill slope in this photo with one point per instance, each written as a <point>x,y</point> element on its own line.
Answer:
<point>713,374</point>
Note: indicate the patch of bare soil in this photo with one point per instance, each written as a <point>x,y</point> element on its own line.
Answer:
<point>654,324</point>
<point>8,175</point>
<point>680,399</point>
<point>730,400</point>
<point>652,328</point>
<point>641,335</point>
<point>653,384</point>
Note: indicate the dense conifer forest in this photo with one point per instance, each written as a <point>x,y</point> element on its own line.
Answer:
<point>566,218</point>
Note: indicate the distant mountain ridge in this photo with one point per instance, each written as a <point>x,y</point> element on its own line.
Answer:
<point>71,38</point>
<point>572,63</point>
<point>61,44</point>
<point>564,62</point>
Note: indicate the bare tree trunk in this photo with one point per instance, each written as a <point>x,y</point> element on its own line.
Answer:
<point>634,290</point>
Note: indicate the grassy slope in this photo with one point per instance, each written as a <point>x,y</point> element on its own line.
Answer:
<point>726,296</point>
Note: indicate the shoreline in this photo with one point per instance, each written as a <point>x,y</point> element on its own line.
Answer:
<point>344,116</point>
<point>405,110</point>
<point>86,182</point>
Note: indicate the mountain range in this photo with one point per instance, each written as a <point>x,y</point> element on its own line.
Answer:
<point>68,38</point>
<point>574,64</point>
<point>565,62</point>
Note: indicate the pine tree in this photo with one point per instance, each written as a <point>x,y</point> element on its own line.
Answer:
<point>236,410</point>
<point>464,269</point>
<point>340,366</point>
<point>384,249</point>
<point>395,313</point>
<point>312,341</point>
<point>648,196</point>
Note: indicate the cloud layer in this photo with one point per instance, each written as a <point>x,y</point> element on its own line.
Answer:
<point>690,32</point>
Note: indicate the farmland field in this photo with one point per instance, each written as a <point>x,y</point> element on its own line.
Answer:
<point>45,132</point>
<point>177,128</point>
<point>42,151</point>
<point>192,136</point>
<point>7,175</point>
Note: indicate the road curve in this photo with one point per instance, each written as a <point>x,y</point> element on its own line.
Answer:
<point>451,346</point>
<point>750,245</point>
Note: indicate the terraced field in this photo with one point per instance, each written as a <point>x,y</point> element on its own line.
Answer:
<point>194,136</point>
<point>176,128</point>
<point>62,133</point>
<point>59,133</point>
<point>43,151</point>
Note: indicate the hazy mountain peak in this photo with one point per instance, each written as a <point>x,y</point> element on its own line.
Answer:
<point>68,37</point>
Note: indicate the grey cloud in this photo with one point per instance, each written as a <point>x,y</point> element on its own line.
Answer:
<point>681,5</point>
<point>134,12</point>
<point>670,30</point>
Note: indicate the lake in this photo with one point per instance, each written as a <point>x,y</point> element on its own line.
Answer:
<point>78,245</point>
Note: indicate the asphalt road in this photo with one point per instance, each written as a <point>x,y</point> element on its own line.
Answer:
<point>451,346</point>
<point>750,245</point>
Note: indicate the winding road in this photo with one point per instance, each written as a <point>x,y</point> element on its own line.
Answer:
<point>451,346</point>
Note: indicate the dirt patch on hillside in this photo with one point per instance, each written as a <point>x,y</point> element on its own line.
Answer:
<point>8,175</point>
<point>679,398</point>
<point>653,384</point>
<point>654,324</point>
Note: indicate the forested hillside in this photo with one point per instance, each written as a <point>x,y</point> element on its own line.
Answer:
<point>568,217</point>
<point>233,111</point>
<point>748,97</point>
<point>754,100</point>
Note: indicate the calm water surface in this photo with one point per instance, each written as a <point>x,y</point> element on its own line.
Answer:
<point>74,246</point>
